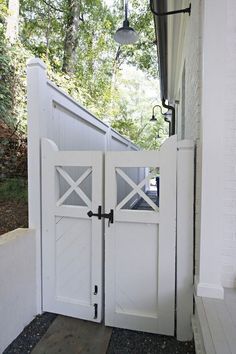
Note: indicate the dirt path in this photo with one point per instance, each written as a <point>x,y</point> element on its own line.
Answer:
<point>13,215</point>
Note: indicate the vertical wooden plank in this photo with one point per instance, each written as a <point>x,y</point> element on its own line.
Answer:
<point>184,261</point>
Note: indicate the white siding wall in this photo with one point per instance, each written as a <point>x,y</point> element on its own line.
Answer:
<point>229,241</point>
<point>192,60</point>
<point>192,63</point>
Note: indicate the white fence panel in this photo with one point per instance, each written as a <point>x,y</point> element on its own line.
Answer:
<point>55,115</point>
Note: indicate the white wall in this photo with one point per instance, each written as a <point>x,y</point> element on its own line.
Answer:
<point>192,48</point>
<point>229,167</point>
<point>186,55</point>
<point>17,283</point>
<point>225,111</point>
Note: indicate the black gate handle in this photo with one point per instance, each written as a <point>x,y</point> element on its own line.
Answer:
<point>99,214</point>
<point>109,216</point>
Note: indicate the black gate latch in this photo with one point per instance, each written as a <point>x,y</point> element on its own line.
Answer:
<point>109,216</point>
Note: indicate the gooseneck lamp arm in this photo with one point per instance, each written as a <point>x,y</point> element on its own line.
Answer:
<point>153,109</point>
<point>186,10</point>
<point>172,122</point>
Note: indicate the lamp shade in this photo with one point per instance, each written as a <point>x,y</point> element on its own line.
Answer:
<point>126,34</point>
<point>153,119</point>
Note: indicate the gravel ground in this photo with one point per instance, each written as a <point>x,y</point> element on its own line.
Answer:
<point>30,336</point>
<point>122,341</point>
<point>126,342</point>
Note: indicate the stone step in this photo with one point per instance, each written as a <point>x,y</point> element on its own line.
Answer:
<point>74,336</point>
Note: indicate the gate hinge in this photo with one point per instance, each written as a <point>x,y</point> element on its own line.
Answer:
<point>95,311</point>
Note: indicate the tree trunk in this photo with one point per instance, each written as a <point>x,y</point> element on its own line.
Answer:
<point>13,20</point>
<point>48,29</point>
<point>71,38</point>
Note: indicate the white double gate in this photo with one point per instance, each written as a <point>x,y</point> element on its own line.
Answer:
<point>133,281</point>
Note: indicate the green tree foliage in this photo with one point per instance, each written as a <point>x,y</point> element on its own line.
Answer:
<point>132,111</point>
<point>75,39</point>
<point>143,54</point>
<point>12,78</point>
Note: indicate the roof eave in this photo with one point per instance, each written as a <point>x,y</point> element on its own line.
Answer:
<point>161,38</point>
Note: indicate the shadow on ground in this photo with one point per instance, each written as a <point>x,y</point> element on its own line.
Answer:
<point>127,342</point>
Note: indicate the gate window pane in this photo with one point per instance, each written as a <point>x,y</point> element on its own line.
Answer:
<point>74,185</point>
<point>138,188</point>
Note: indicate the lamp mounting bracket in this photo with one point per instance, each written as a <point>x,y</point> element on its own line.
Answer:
<point>187,10</point>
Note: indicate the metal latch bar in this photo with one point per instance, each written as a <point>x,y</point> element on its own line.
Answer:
<point>109,216</point>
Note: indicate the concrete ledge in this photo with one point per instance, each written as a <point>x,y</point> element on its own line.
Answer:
<point>17,283</point>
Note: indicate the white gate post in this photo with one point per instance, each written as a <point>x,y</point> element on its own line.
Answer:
<point>37,117</point>
<point>184,274</point>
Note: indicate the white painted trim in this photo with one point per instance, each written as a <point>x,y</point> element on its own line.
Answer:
<point>184,261</point>
<point>213,291</point>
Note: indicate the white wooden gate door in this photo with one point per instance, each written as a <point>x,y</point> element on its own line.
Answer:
<point>71,241</point>
<point>140,244</point>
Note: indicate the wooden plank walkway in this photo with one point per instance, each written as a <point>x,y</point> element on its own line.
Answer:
<point>220,318</point>
<point>73,336</point>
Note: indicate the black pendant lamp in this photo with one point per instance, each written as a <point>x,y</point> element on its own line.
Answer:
<point>126,34</point>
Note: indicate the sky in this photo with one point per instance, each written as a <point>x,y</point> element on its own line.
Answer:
<point>108,2</point>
